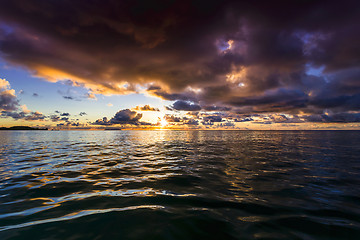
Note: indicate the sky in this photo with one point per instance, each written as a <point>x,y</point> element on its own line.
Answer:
<point>99,64</point>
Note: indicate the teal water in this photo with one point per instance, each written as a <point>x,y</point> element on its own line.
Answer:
<point>180,185</point>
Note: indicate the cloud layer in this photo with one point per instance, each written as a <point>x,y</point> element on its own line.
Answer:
<point>294,57</point>
<point>8,100</point>
<point>146,108</point>
<point>125,116</point>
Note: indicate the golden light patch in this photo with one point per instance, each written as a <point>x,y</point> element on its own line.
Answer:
<point>237,76</point>
<point>55,75</point>
<point>230,42</point>
<point>163,122</point>
<point>4,84</point>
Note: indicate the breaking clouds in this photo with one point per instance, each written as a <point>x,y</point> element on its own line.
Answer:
<point>8,99</point>
<point>294,57</point>
<point>146,108</point>
<point>125,116</point>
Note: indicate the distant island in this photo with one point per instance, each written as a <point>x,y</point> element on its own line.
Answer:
<point>22,128</point>
<point>113,128</point>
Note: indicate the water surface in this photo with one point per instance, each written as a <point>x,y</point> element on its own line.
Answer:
<point>180,185</point>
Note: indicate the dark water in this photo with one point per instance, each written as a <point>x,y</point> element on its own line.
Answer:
<point>180,185</point>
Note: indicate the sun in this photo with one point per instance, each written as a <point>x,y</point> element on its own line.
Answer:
<point>163,122</point>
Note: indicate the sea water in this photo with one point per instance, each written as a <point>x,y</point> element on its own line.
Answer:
<point>179,184</point>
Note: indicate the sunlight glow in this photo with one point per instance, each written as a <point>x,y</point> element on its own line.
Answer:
<point>230,43</point>
<point>163,122</point>
<point>237,76</point>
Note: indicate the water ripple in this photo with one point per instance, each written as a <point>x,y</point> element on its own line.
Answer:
<point>180,185</point>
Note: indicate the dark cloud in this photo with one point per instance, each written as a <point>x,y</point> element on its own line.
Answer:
<point>212,118</point>
<point>172,118</point>
<point>226,124</point>
<point>71,94</point>
<point>153,88</point>
<point>273,100</point>
<point>216,108</point>
<point>146,108</point>
<point>185,96</point>
<point>125,116</point>
<point>207,123</point>
<point>191,121</point>
<point>68,97</point>
<point>185,106</point>
<point>72,124</point>
<point>35,95</point>
<point>34,115</point>
<point>342,117</point>
<point>82,113</point>
<point>227,55</point>
<point>334,118</point>
<point>54,118</point>
<point>8,99</point>
<point>175,120</point>
<point>246,119</point>
<point>31,116</point>
<point>75,124</point>
<point>103,121</point>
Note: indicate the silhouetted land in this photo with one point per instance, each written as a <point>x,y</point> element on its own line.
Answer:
<point>113,128</point>
<point>22,128</point>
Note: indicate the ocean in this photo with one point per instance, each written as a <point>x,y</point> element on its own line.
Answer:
<point>179,185</point>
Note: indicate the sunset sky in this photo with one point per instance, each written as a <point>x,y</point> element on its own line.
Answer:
<point>180,64</point>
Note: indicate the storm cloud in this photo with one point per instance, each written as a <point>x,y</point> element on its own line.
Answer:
<point>260,57</point>
<point>28,116</point>
<point>125,116</point>
<point>8,99</point>
<point>185,106</point>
